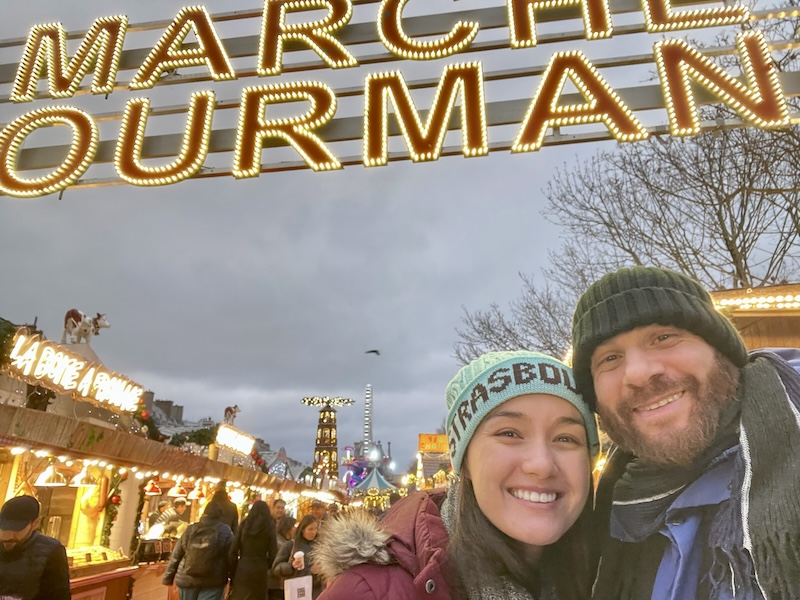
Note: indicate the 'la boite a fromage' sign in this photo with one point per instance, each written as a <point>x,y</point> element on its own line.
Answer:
<point>757,98</point>
<point>44,363</point>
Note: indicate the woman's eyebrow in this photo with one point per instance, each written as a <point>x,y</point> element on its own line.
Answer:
<point>570,421</point>
<point>565,420</point>
<point>509,414</point>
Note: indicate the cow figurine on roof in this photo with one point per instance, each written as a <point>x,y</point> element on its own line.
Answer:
<point>230,414</point>
<point>80,327</point>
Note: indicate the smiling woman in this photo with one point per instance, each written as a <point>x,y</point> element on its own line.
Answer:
<point>517,522</point>
<point>527,466</point>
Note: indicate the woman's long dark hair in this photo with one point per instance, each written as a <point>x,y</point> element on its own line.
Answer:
<point>479,551</point>
<point>304,522</point>
<point>258,521</point>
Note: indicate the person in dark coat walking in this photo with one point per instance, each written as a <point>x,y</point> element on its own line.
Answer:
<point>230,514</point>
<point>199,564</point>
<point>283,537</point>
<point>251,556</point>
<point>287,566</point>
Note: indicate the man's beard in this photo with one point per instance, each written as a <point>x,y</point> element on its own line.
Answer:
<point>681,449</point>
<point>15,548</point>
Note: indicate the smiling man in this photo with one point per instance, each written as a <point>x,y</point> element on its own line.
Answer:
<point>700,500</point>
<point>32,566</point>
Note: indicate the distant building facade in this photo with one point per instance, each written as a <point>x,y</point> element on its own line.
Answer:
<point>171,410</point>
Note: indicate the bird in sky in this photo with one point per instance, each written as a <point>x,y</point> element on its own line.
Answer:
<point>376,352</point>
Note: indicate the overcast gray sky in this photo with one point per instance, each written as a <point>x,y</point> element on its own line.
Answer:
<point>258,292</point>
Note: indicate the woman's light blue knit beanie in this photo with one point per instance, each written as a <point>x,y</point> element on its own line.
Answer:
<point>495,377</point>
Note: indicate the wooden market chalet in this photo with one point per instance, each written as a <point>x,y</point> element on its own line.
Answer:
<point>767,317</point>
<point>98,476</point>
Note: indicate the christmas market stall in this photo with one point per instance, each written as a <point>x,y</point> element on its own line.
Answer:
<point>767,317</point>
<point>433,462</point>
<point>79,438</point>
<point>59,405</point>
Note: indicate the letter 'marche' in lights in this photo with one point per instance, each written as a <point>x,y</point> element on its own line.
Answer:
<point>522,20</point>
<point>168,52</point>
<point>275,32</point>
<point>659,16</point>
<point>390,29</point>
<point>46,49</point>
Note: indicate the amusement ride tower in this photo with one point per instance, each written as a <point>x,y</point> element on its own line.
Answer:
<point>367,421</point>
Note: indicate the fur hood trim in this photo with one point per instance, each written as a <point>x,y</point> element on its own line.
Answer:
<point>351,539</point>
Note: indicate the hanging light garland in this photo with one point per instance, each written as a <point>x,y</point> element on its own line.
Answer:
<point>113,502</point>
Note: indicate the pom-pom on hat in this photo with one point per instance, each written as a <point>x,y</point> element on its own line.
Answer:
<point>640,296</point>
<point>488,381</point>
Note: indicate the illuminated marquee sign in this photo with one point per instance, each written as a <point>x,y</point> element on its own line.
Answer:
<point>433,442</point>
<point>758,97</point>
<point>234,439</point>
<point>44,363</point>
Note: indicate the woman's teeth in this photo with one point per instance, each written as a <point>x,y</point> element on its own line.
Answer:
<point>543,498</point>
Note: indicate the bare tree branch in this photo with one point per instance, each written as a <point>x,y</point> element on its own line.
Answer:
<point>723,208</point>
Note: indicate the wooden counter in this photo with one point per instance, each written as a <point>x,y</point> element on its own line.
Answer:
<point>111,584</point>
<point>148,584</point>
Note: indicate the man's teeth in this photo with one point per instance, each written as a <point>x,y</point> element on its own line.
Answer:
<point>664,402</point>
<point>534,496</point>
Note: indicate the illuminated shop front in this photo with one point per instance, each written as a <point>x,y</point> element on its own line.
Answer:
<point>767,317</point>
<point>58,404</point>
<point>65,438</point>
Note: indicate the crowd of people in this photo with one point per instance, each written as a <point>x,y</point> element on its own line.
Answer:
<point>250,559</point>
<point>698,498</point>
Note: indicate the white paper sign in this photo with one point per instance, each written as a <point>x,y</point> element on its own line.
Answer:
<point>298,588</point>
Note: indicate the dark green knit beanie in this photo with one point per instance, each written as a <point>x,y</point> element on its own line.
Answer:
<point>639,296</point>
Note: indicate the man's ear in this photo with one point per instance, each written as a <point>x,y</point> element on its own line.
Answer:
<point>36,522</point>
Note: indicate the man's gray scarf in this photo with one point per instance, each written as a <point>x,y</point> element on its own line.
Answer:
<point>770,492</point>
<point>753,539</point>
